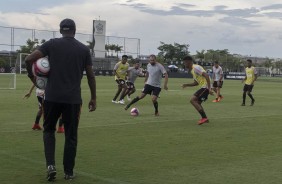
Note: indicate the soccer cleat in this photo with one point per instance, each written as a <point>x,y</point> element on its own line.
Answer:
<point>69,177</point>
<point>126,107</point>
<point>128,98</point>
<point>220,98</point>
<point>61,129</point>
<point>51,173</point>
<point>215,101</point>
<point>157,114</point>
<point>113,101</point>
<point>242,104</point>
<point>252,103</point>
<point>36,127</point>
<point>121,102</point>
<point>202,121</point>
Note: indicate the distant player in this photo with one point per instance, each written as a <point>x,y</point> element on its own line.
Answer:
<point>154,74</point>
<point>40,97</point>
<point>120,72</point>
<point>217,81</point>
<point>251,77</point>
<point>201,79</point>
<point>133,73</point>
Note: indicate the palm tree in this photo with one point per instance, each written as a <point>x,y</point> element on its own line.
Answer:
<point>117,49</point>
<point>201,55</point>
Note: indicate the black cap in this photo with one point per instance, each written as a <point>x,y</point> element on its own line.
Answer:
<point>67,25</point>
<point>124,56</point>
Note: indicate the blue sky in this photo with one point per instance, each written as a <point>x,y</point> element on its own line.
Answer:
<point>248,27</point>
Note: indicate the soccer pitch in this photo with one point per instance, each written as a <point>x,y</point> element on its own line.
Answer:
<point>240,145</point>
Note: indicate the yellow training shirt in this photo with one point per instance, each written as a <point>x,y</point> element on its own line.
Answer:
<point>197,72</point>
<point>121,69</point>
<point>250,74</point>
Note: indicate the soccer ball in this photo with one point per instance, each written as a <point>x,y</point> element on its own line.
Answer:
<point>134,111</point>
<point>41,67</point>
<point>41,82</point>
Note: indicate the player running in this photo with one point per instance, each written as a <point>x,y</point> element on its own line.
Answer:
<point>120,72</point>
<point>217,81</point>
<point>202,80</point>
<point>133,73</point>
<point>251,77</point>
<point>154,74</point>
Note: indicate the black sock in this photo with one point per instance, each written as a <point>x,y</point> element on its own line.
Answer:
<point>133,101</point>
<point>117,94</point>
<point>60,122</point>
<point>203,114</point>
<point>244,98</point>
<point>156,105</point>
<point>251,96</point>
<point>37,119</point>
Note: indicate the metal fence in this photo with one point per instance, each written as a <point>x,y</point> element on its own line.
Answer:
<point>11,38</point>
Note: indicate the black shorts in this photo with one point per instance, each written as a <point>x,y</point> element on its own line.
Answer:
<point>248,88</point>
<point>40,101</point>
<point>202,94</point>
<point>130,85</point>
<point>120,81</point>
<point>151,90</point>
<point>217,84</point>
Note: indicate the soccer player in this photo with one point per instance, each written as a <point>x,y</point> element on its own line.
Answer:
<point>68,59</point>
<point>202,80</point>
<point>120,72</point>
<point>133,73</point>
<point>154,74</point>
<point>40,97</point>
<point>250,78</point>
<point>217,81</point>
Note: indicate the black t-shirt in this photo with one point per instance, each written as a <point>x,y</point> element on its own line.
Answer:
<point>68,59</point>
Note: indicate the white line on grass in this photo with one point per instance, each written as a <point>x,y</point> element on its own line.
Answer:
<point>82,173</point>
<point>153,121</point>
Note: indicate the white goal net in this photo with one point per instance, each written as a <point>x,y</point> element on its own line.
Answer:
<point>7,71</point>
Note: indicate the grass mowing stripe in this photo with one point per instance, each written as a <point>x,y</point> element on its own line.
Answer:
<point>132,123</point>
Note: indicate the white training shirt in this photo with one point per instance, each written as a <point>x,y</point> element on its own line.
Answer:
<point>39,92</point>
<point>217,73</point>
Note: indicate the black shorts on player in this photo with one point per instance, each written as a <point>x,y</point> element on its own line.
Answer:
<point>120,81</point>
<point>248,88</point>
<point>151,90</point>
<point>202,94</point>
<point>217,84</point>
<point>130,85</point>
<point>40,101</point>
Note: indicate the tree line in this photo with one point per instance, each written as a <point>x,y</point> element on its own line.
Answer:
<point>172,54</point>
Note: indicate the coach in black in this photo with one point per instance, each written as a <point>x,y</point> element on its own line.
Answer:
<point>68,59</point>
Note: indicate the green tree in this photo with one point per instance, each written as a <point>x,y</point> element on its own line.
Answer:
<point>117,49</point>
<point>200,55</point>
<point>29,47</point>
<point>173,52</point>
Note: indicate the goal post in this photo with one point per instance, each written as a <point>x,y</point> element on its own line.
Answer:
<point>8,64</point>
<point>8,81</point>
<point>21,68</point>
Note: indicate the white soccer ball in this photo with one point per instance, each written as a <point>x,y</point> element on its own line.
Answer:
<point>134,111</point>
<point>41,82</point>
<point>41,67</point>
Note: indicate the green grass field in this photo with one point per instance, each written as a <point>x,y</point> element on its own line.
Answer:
<point>240,145</point>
